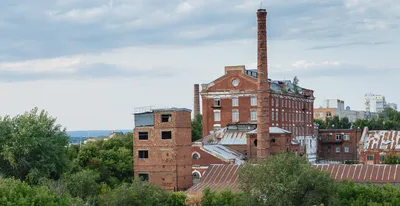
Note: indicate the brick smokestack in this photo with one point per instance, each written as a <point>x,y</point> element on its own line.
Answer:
<point>263,112</point>
<point>196,109</point>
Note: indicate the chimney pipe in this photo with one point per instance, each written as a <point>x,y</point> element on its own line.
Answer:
<point>263,97</point>
<point>196,109</point>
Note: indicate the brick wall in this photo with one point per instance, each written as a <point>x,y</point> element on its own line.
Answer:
<point>169,162</point>
<point>327,144</point>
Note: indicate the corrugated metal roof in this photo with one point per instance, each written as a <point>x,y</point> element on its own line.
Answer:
<point>225,136</point>
<point>381,140</point>
<point>272,130</point>
<point>223,153</point>
<point>219,177</point>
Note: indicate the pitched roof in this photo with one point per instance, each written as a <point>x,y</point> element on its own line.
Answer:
<point>381,140</point>
<point>226,136</point>
<point>223,153</point>
<point>219,177</point>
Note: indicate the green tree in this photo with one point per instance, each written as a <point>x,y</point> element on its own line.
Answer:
<point>176,199</point>
<point>15,192</point>
<point>32,145</point>
<point>296,84</point>
<point>321,123</point>
<point>286,179</point>
<point>197,127</point>
<point>136,193</point>
<point>391,159</point>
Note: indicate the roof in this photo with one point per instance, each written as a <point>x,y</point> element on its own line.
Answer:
<point>381,140</point>
<point>173,109</point>
<point>223,153</point>
<point>225,136</point>
<point>275,85</point>
<point>219,177</point>
<point>273,130</point>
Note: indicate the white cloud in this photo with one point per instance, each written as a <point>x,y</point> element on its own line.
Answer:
<point>81,15</point>
<point>184,7</point>
<point>303,64</point>
<point>377,25</point>
<point>62,64</point>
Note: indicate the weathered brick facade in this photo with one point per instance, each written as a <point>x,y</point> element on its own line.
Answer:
<point>338,144</point>
<point>278,143</point>
<point>376,145</point>
<point>168,160</point>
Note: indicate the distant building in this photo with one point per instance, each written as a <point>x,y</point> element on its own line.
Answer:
<point>163,148</point>
<point>338,144</point>
<point>392,105</point>
<point>336,107</point>
<point>375,145</point>
<point>374,103</point>
<point>309,146</point>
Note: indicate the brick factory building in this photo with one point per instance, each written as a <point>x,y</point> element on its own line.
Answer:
<point>240,94</point>
<point>163,147</point>
<point>338,144</point>
<point>375,145</point>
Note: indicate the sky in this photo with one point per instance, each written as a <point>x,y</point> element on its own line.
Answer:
<point>89,63</point>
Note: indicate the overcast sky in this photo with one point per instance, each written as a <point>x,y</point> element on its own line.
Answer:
<point>90,62</point>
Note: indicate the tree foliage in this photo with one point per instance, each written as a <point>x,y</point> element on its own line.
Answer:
<point>285,179</point>
<point>296,84</point>
<point>15,192</point>
<point>32,145</point>
<point>334,123</point>
<point>391,159</point>
<point>197,127</point>
<point>389,119</point>
<point>350,193</point>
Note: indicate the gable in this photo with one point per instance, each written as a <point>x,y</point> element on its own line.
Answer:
<point>224,83</point>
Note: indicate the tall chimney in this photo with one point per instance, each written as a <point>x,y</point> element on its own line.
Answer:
<point>263,111</point>
<point>196,109</point>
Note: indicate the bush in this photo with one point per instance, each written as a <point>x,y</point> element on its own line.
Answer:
<point>15,192</point>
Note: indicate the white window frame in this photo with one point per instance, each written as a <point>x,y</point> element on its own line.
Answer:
<point>235,101</point>
<point>253,101</point>
<point>346,149</point>
<point>217,118</point>
<point>337,149</point>
<point>235,115</point>
<point>253,115</point>
<point>346,137</point>
<point>215,100</point>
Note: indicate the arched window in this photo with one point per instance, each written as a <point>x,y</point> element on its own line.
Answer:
<point>196,177</point>
<point>195,156</point>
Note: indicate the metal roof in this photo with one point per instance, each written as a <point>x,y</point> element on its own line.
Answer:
<point>224,153</point>
<point>225,136</point>
<point>381,140</point>
<point>220,177</point>
<point>273,130</point>
<point>174,109</point>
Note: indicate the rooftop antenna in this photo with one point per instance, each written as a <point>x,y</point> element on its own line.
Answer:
<point>260,5</point>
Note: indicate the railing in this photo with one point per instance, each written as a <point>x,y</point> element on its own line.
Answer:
<point>139,110</point>
<point>334,141</point>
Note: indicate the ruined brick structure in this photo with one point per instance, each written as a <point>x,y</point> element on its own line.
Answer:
<point>162,147</point>
<point>338,144</point>
<point>375,145</point>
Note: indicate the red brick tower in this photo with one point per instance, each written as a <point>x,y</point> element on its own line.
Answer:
<point>263,139</point>
<point>196,102</point>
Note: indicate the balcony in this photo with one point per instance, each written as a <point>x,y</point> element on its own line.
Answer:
<point>332,141</point>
